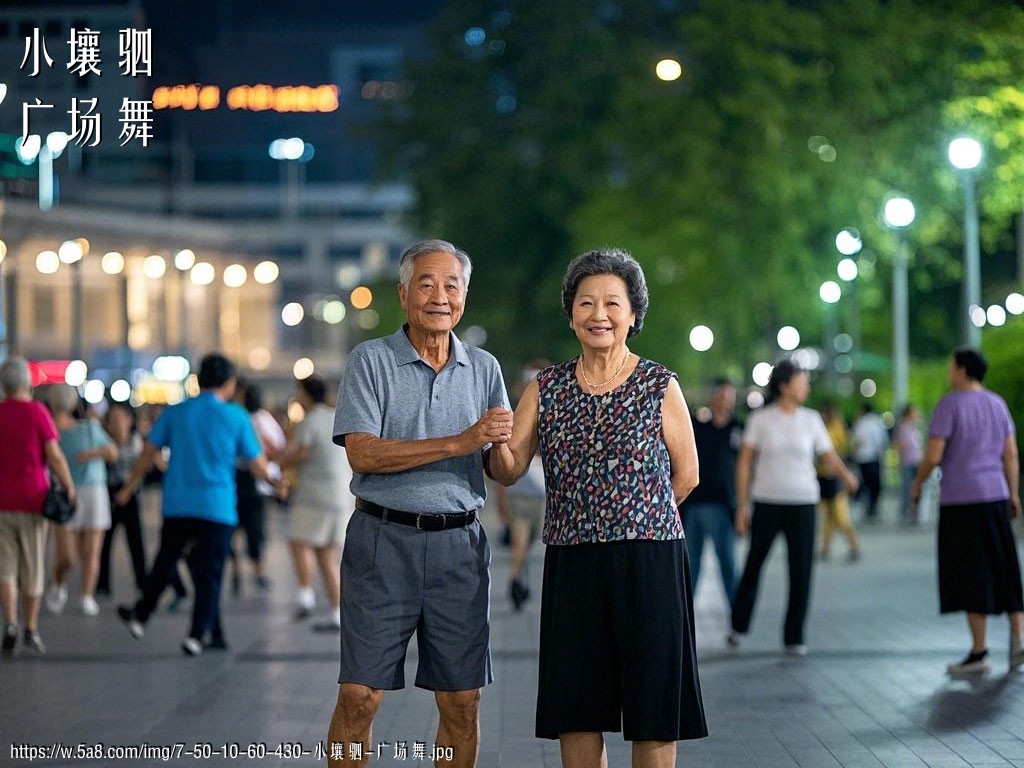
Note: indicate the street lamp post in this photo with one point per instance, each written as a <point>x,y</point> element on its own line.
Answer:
<point>849,244</point>
<point>184,260</point>
<point>72,252</point>
<point>965,155</point>
<point>830,292</point>
<point>899,214</point>
<point>34,148</point>
<point>294,153</point>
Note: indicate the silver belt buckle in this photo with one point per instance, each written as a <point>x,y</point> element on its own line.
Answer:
<point>418,526</point>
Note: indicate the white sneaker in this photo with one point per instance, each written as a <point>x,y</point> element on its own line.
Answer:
<point>796,649</point>
<point>89,606</point>
<point>191,647</point>
<point>56,598</point>
<point>305,602</point>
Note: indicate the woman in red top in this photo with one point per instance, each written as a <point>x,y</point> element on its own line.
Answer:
<point>28,448</point>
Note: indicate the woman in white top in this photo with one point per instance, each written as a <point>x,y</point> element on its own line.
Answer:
<point>776,470</point>
<point>321,505</point>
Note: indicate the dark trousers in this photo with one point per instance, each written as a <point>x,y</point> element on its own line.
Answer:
<point>251,515</point>
<point>209,543</point>
<point>796,522</point>
<point>871,486</point>
<point>128,517</point>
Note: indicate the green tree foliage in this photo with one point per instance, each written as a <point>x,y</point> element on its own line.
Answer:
<point>791,121</point>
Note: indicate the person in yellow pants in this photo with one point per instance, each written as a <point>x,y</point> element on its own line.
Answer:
<point>835,506</point>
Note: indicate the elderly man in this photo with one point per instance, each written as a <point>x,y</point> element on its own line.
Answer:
<point>416,411</point>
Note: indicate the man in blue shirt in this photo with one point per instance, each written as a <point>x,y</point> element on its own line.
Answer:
<point>206,435</point>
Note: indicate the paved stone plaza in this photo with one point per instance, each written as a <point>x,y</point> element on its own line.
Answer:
<point>872,691</point>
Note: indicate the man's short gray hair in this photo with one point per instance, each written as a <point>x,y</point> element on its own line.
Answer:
<point>15,376</point>
<point>422,248</point>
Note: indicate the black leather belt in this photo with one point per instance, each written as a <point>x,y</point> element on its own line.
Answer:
<point>421,521</point>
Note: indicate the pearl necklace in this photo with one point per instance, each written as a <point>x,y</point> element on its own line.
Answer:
<point>590,385</point>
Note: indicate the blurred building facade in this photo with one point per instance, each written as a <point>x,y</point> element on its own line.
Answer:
<point>208,181</point>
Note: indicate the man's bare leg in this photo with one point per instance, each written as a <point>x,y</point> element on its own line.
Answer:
<point>459,727</point>
<point>583,750</point>
<point>353,722</point>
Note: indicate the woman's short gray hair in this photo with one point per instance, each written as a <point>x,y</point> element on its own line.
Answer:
<point>61,398</point>
<point>608,261</point>
<point>15,376</point>
<point>422,248</point>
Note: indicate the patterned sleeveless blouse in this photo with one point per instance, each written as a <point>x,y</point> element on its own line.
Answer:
<point>606,465</point>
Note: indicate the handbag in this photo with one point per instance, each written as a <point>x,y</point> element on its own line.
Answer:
<point>57,507</point>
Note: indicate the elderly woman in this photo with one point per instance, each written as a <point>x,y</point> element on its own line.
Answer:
<point>322,504</point>
<point>776,470</point>
<point>616,441</point>
<point>29,446</point>
<point>972,438</point>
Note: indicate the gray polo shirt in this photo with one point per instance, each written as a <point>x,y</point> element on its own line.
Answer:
<point>389,391</point>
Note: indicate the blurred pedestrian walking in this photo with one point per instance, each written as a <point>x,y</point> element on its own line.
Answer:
<point>972,437</point>
<point>252,492</point>
<point>617,648</point>
<point>29,447</point>
<point>88,448</point>
<point>869,439</point>
<point>415,411</point>
<point>776,473</point>
<point>206,434</point>
<point>835,507</point>
<point>321,504</point>
<point>710,510</point>
<point>909,444</point>
<point>120,425</point>
<point>521,506</point>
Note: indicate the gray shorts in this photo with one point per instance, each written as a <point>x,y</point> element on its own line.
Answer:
<point>396,580</point>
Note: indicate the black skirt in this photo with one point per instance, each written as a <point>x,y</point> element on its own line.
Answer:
<point>617,644</point>
<point>979,571</point>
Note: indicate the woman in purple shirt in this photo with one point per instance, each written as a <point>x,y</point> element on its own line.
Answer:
<point>972,438</point>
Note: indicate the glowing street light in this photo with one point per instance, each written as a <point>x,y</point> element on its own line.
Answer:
<point>47,262</point>
<point>265,272</point>
<point>70,251</point>
<point>235,276</point>
<point>184,260</point>
<point>996,315</point>
<point>1015,304</point>
<point>154,266</point>
<point>701,338</point>
<point>668,70</point>
<point>112,263</point>
<point>762,374</point>
<point>848,242</point>
<point>788,338</point>
<point>202,273</point>
<point>847,270</point>
<point>830,292</point>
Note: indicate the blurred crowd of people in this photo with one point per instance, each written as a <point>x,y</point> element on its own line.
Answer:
<point>104,459</point>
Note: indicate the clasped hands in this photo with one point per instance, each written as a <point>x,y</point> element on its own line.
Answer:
<point>495,426</point>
